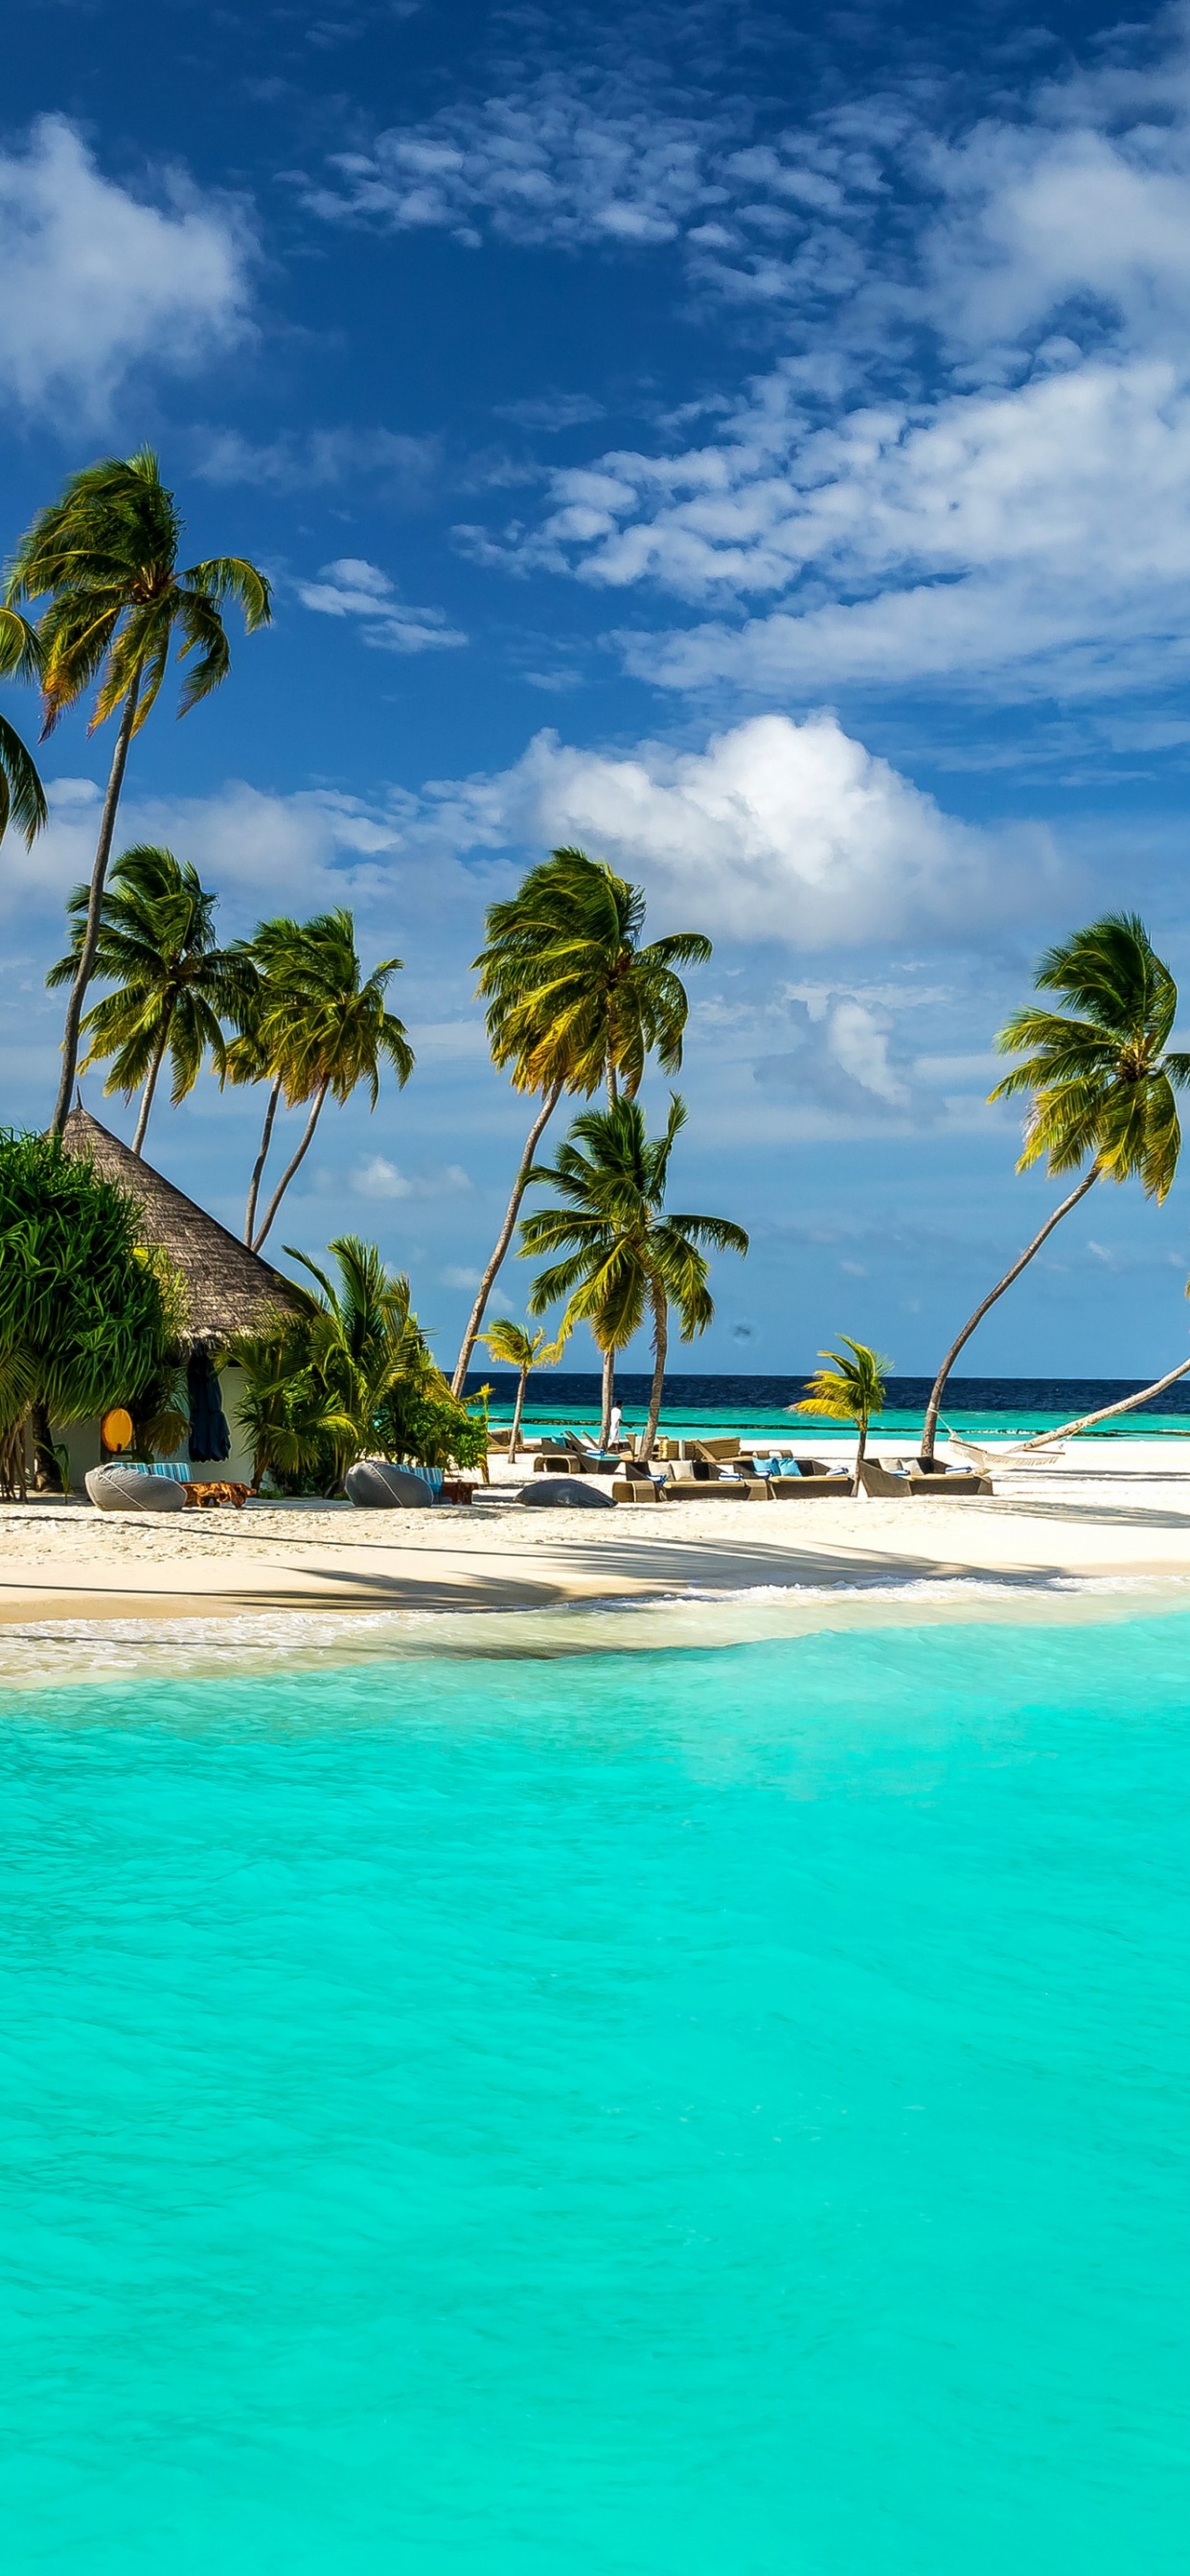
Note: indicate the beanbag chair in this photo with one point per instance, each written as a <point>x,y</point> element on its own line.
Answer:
<point>564,1491</point>
<point>127,1489</point>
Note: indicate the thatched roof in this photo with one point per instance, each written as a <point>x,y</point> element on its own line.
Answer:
<point>228,1289</point>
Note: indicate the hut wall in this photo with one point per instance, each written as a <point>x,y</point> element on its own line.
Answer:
<point>82,1443</point>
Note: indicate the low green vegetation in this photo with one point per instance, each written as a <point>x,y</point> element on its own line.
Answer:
<point>351,1376</point>
<point>88,1316</point>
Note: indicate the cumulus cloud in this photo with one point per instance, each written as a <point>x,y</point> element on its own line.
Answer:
<point>777,831</point>
<point>352,587</point>
<point>96,280</point>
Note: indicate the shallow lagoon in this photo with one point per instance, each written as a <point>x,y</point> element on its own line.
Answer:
<point>707,2111</point>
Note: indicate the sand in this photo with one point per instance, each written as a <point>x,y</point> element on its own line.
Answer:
<point>1118,1520</point>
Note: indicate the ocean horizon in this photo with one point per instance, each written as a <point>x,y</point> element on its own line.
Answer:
<point>992,1404</point>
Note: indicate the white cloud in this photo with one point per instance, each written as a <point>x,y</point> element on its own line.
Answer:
<point>978,471</point>
<point>377,1178</point>
<point>352,587</point>
<point>318,459</point>
<point>777,831</point>
<point>544,164</point>
<point>95,280</point>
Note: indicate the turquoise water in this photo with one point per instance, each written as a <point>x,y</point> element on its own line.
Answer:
<point>659,2114</point>
<point>982,1422</point>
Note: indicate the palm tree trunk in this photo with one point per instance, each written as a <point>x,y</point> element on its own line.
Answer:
<point>660,1350</point>
<point>290,1168</point>
<point>514,1436</point>
<point>609,1397</point>
<point>861,1447</point>
<point>504,1238</point>
<point>84,969</point>
<point>934,1407</point>
<point>1127,1404</point>
<point>146,1100</point>
<point>261,1159</point>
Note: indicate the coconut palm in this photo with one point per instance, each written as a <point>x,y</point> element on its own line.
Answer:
<point>851,1390</point>
<point>22,797</point>
<point>574,1000</point>
<point>512,1346</point>
<point>105,558</point>
<point>1100,1084</point>
<point>622,1256</point>
<point>324,1028</point>
<point>174,986</point>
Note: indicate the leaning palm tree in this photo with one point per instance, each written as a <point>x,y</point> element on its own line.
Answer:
<point>105,558</point>
<point>22,797</point>
<point>328,1030</point>
<point>623,1257</point>
<point>574,1001</point>
<point>512,1346</point>
<point>852,1390</point>
<point>174,986</point>
<point>1100,1084</point>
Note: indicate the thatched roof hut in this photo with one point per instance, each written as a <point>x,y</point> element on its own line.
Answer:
<point>228,1288</point>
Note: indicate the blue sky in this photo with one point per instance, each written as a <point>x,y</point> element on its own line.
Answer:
<point>753,443</point>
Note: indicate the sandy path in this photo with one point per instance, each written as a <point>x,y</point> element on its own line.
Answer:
<point>66,1562</point>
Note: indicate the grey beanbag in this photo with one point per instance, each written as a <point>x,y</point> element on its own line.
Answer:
<point>376,1485</point>
<point>562,1491</point>
<point>125,1489</point>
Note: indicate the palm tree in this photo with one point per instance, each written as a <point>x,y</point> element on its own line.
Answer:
<point>622,1256</point>
<point>850,1391</point>
<point>174,987</point>
<point>105,557</point>
<point>325,1029</point>
<point>22,797</point>
<point>511,1346</point>
<point>574,1000</point>
<point>1099,1084</point>
<point>269,968</point>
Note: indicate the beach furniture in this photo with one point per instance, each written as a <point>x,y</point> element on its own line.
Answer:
<point>799,1479</point>
<point>563,1493</point>
<point>882,1483</point>
<point>637,1485</point>
<point>135,1489</point>
<point>379,1485</point>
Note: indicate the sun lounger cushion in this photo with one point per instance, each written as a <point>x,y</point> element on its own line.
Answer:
<point>564,1492</point>
<point>378,1485</point>
<point>134,1489</point>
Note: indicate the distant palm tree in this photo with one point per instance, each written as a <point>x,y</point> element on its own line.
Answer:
<point>22,797</point>
<point>1099,1084</point>
<point>511,1346</point>
<point>574,1000</point>
<point>105,557</point>
<point>622,1256</point>
<point>174,987</point>
<point>327,1030</point>
<point>851,1391</point>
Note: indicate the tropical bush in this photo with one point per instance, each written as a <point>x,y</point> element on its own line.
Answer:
<point>89,1316</point>
<point>349,1376</point>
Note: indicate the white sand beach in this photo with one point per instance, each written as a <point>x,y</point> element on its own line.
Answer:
<point>1117,1511</point>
